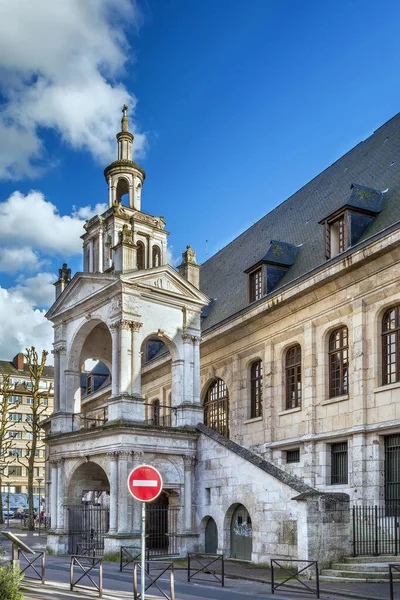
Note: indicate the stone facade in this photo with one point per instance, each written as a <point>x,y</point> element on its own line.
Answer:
<point>275,488</point>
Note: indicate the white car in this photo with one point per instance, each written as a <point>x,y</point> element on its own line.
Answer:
<point>8,514</point>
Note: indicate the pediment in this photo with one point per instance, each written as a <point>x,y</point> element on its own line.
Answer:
<point>82,287</point>
<point>165,280</point>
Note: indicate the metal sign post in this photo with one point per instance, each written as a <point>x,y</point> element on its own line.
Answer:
<point>145,484</point>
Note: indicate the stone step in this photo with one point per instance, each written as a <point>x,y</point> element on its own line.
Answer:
<point>367,575</point>
<point>361,567</point>
<point>328,579</point>
<point>385,558</point>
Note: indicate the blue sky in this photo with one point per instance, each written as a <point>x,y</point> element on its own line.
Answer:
<point>235,105</point>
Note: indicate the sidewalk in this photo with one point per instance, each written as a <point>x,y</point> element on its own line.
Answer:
<point>233,570</point>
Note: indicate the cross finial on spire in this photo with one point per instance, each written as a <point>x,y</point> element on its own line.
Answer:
<point>124,121</point>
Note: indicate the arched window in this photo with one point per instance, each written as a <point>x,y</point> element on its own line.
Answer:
<point>293,377</point>
<point>155,409</point>
<point>391,346</point>
<point>256,386</point>
<point>216,407</point>
<point>140,255</point>
<point>156,256</point>
<point>338,363</point>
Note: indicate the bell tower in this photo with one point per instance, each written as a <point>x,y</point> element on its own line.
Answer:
<point>124,238</point>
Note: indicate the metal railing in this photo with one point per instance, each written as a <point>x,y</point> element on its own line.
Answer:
<point>152,580</point>
<point>161,415</point>
<point>294,574</point>
<point>393,568</point>
<point>129,554</point>
<point>30,566</point>
<point>376,529</point>
<point>86,564</point>
<point>201,563</point>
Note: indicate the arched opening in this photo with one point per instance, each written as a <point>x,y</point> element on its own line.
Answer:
<point>216,407</point>
<point>158,525</point>
<point>122,191</point>
<point>88,509</point>
<point>156,256</point>
<point>140,256</point>
<point>241,534</point>
<point>211,537</point>
<point>158,411</point>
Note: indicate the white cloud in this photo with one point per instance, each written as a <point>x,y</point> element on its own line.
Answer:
<point>22,325</point>
<point>87,212</point>
<point>59,69</point>
<point>13,260</point>
<point>173,260</point>
<point>37,290</point>
<point>33,221</point>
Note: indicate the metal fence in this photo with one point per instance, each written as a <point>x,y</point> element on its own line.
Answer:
<point>199,564</point>
<point>394,569</point>
<point>87,526</point>
<point>376,529</point>
<point>88,569</point>
<point>164,569</point>
<point>293,573</point>
<point>161,530</point>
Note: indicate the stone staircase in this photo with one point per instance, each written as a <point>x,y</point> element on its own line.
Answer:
<point>361,569</point>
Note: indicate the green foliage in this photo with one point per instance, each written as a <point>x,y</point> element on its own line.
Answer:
<point>10,579</point>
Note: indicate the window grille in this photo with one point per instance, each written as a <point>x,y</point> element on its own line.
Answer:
<point>255,282</point>
<point>392,469</point>
<point>390,346</point>
<point>216,407</point>
<point>256,386</point>
<point>338,363</point>
<point>339,463</point>
<point>156,412</point>
<point>293,377</point>
<point>293,456</point>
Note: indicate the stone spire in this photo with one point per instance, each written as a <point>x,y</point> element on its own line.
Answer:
<point>123,176</point>
<point>189,268</point>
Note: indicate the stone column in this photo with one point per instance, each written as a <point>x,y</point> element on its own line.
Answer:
<point>125,361</point>
<point>138,459</point>
<point>101,249</point>
<point>188,462</point>
<point>114,327</point>
<point>123,492</point>
<point>110,198</point>
<point>60,496</point>
<point>136,372</point>
<point>196,368</point>
<point>188,368</point>
<point>53,500</point>
<point>267,392</point>
<point>113,457</point>
<point>62,381</point>
<point>177,381</point>
<point>56,355</point>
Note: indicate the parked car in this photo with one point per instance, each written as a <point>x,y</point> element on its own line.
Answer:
<point>8,514</point>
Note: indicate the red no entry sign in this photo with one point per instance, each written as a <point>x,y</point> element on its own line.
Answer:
<point>145,483</point>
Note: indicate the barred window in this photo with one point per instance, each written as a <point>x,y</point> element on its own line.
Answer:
<point>255,283</point>
<point>256,388</point>
<point>391,346</point>
<point>216,407</point>
<point>155,417</point>
<point>293,377</point>
<point>339,463</point>
<point>293,456</point>
<point>338,363</point>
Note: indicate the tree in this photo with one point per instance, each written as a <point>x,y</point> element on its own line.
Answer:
<point>6,408</point>
<point>38,406</point>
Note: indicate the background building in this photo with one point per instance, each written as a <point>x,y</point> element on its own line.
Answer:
<point>16,481</point>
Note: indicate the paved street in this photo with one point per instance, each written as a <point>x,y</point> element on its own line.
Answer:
<point>119,586</point>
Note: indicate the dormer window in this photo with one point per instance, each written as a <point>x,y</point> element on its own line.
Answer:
<point>255,284</point>
<point>336,235</point>
<point>345,226</point>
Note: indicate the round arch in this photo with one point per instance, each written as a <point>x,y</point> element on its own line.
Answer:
<point>170,344</point>
<point>88,483</point>
<point>122,189</point>
<point>78,342</point>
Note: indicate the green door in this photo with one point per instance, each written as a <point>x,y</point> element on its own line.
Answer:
<point>241,534</point>
<point>211,544</point>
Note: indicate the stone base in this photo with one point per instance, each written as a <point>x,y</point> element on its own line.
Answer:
<point>113,542</point>
<point>57,543</point>
<point>188,542</point>
<point>189,415</point>
<point>125,408</point>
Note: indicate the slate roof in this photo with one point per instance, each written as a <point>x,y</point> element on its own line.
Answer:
<point>373,163</point>
<point>7,368</point>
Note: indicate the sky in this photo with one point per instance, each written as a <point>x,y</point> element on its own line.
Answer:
<point>234,107</point>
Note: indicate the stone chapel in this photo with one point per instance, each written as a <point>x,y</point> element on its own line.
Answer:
<point>263,384</point>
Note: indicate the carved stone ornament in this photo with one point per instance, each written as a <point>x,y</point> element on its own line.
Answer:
<point>164,284</point>
<point>125,324</point>
<point>130,304</point>
<point>123,454</point>
<point>187,338</point>
<point>189,462</point>
<point>136,325</point>
<point>112,455</point>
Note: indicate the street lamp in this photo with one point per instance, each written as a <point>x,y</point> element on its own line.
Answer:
<point>39,480</point>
